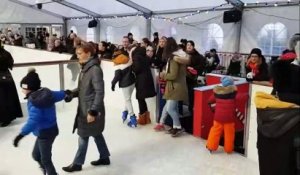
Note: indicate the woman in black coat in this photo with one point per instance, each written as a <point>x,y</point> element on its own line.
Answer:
<point>256,67</point>
<point>10,107</point>
<point>197,63</point>
<point>144,82</point>
<point>90,117</point>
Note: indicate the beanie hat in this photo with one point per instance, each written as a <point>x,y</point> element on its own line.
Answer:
<point>288,55</point>
<point>227,81</point>
<point>31,81</point>
<point>256,51</point>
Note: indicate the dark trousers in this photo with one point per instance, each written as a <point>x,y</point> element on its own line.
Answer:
<point>83,145</point>
<point>42,153</point>
<point>142,106</point>
<point>278,156</point>
<point>191,84</point>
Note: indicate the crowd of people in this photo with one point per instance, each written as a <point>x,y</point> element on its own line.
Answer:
<point>179,67</point>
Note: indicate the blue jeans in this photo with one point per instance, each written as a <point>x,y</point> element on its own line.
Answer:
<point>42,153</point>
<point>83,145</point>
<point>171,108</point>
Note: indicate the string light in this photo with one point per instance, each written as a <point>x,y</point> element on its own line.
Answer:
<point>179,19</point>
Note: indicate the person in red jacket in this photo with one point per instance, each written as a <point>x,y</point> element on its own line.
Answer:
<point>224,115</point>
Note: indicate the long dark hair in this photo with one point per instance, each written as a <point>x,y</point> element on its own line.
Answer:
<point>170,47</point>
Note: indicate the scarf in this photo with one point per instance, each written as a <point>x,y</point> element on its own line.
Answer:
<point>254,68</point>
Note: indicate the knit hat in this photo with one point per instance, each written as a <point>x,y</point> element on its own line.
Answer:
<point>288,55</point>
<point>256,51</point>
<point>31,81</point>
<point>227,81</point>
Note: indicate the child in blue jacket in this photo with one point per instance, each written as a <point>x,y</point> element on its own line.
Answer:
<point>41,119</point>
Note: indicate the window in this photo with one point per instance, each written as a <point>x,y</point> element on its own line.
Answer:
<point>214,37</point>
<point>29,30</point>
<point>90,34</point>
<point>173,31</point>
<point>272,38</point>
<point>135,30</point>
<point>109,34</point>
<point>56,29</point>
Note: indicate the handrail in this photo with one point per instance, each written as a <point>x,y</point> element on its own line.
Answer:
<point>44,63</point>
<point>60,64</point>
<point>246,54</point>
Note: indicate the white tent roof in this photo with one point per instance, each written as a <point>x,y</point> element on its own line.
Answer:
<point>104,8</point>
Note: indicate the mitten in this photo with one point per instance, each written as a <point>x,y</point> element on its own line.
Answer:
<point>249,76</point>
<point>17,139</point>
<point>69,96</point>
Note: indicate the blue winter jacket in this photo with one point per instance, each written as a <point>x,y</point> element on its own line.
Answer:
<point>42,114</point>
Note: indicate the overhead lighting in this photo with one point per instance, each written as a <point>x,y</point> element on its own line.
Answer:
<point>275,5</point>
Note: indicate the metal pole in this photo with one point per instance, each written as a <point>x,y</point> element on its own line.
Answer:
<point>61,76</point>
<point>65,27</point>
<point>148,28</point>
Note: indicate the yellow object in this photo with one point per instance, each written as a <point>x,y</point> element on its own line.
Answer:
<point>120,59</point>
<point>263,100</point>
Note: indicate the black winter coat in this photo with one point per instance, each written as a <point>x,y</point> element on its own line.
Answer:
<point>125,77</point>
<point>198,62</point>
<point>141,67</point>
<point>10,107</point>
<point>286,81</point>
<point>90,93</point>
<point>263,72</point>
<point>278,130</point>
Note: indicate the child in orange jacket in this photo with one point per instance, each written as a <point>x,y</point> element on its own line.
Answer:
<point>224,115</point>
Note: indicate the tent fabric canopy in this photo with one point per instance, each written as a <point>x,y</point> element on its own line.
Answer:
<point>105,8</point>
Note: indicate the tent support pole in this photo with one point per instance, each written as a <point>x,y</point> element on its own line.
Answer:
<point>148,28</point>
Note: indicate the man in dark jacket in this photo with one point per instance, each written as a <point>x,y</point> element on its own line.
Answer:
<point>90,117</point>
<point>279,152</point>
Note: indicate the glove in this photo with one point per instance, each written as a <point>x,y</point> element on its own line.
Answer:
<point>69,96</point>
<point>113,87</point>
<point>250,76</point>
<point>17,139</point>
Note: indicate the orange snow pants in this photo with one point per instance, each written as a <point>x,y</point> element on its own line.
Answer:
<point>215,134</point>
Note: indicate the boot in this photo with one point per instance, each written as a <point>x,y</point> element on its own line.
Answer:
<point>133,122</point>
<point>124,115</point>
<point>105,161</point>
<point>148,119</point>
<point>142,119</point>
<point>72,167</point>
